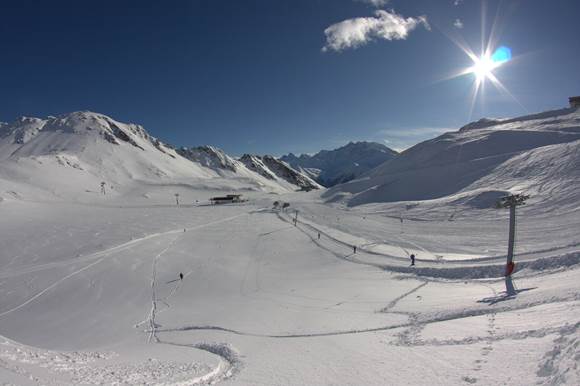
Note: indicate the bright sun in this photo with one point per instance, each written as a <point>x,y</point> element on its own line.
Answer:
<point>483,67</point>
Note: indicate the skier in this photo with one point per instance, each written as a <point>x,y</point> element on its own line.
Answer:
<point>412,259</point>
<point>180,276</point>
<point>354,249</point>
<point>318,235</point>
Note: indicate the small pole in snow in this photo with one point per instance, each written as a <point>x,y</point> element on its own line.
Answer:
<point>511,202</point>
<point>295,217</point>
<point>177,199</point>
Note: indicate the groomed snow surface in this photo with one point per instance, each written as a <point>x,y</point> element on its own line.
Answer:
<point>90,287</point>
<point>90,294</point>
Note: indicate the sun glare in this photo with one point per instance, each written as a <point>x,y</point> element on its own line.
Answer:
<point>484,65</point>
<point>482,68</point>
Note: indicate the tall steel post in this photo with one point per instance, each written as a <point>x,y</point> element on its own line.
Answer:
<point>512,236</point>
<point>511,202</point>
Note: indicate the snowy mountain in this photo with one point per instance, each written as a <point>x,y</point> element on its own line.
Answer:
<point>332,167</point>
<point>127,289</point>
<point>275,169</point>
<point>538,154</point>
<point>74,153</point>
<point>210,157</point>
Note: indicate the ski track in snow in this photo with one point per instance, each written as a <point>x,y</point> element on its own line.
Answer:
<point>105,253</point>
<point>53,285</point>
<point>417,321</point>
<point>394,302</point>
<point>485,268</point>
<point>229,362</point>
<point>410,336</point>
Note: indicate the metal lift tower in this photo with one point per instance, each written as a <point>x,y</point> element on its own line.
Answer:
<point>511,202</point>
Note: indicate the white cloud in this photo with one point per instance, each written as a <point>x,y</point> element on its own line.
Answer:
<point>458,24</point>
<point>353,33</point>
<point>375,3</point>
<point>457,2</point>
<point>402,139</point>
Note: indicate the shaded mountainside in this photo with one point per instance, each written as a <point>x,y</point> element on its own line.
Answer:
<point>332,167</point>
<point>537,154</point>
<point>273,168</point>
<point>210,157</point>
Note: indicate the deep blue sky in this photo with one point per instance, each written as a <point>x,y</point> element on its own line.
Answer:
<point>250,75</point>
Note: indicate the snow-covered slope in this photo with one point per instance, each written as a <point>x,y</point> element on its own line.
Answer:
<point>210,157</point>
<point>275,169</point>
<point>76,152</point>
<point>73,154</point>
<point>538,154</point>
<point>332,167</point>
<point>150,292</point>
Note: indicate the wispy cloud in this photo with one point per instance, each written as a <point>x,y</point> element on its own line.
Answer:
<point>458,24</point>
<point>402,139</point>
<point>353,33</point>
<point>375,3</point>
<point>457,2</point>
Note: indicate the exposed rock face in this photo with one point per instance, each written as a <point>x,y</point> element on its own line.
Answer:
<point>210,157</point>
<point>273,168</point>
<point>332,167</point>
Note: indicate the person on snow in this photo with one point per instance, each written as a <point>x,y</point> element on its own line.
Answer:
<point>354,249</point>
<point>180,276</point>
<point>412,257</point>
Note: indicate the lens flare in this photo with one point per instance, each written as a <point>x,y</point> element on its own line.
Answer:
<point>484,65</point>
<point>486,62</point>
<point>502,55</point>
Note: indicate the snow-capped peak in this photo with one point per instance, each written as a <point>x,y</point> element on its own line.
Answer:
<point>274,169</point>
<point>79,150</point>
<point>209,156</point>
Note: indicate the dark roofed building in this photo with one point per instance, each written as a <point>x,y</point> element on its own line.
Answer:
<point>226,199</point>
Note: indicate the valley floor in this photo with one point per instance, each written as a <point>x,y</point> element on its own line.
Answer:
<point>91,294</point>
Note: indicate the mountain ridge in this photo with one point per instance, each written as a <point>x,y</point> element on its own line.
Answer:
<point>72,153</point>
<point>332,167</point>
<point>505,156</point>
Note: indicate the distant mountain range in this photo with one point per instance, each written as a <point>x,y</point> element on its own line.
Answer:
<point>71,155</point>
<point>332,167</point>
<point>267,166</point>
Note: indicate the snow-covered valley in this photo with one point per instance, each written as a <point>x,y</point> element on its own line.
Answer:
<point>91,294</point>
<point>90,287</point>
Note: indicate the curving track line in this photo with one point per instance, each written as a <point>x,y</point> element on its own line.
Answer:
<point>102,254</point>
<point>461,314</point>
